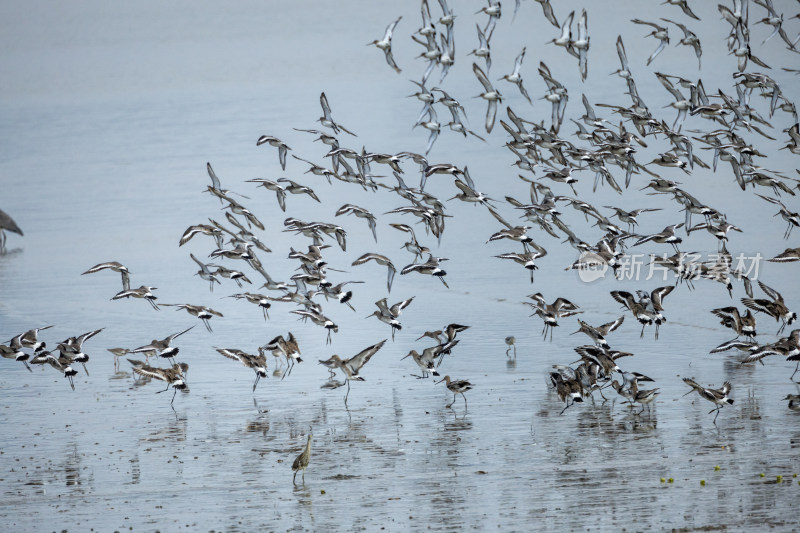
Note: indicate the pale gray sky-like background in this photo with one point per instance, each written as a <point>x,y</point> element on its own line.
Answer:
<point>108,116</point>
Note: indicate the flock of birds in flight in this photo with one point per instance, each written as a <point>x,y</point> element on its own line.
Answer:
<point>542,156</point>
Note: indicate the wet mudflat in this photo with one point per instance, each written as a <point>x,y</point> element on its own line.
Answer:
<point>110,165</point>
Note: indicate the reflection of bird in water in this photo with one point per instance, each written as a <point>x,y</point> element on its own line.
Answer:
<point>7,223</point>
<point>511,341</point>
<point>301,463</point>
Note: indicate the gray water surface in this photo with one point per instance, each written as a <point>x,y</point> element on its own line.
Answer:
<point>109,115</point>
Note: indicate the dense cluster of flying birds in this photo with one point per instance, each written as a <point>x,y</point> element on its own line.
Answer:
<point>542,156</point>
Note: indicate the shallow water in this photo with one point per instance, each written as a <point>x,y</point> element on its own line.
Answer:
<point>105,134</point>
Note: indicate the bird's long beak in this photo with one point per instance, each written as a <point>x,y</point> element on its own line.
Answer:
<point>438,381</point>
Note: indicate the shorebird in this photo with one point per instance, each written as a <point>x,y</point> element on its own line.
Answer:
<point>7,224</point>
<point>681,103</point>
<point>331,364</point>
<point>515,233</point>
<point>301,462</point>
<point>327,120</point>
<point>142,292</point>
<point>338,292</point>
<point>667,236</point>
<point>789,347</point>
<point>62,364</point>
<point>30,339</point>
<point>216,187</point>
<point>288,348</point>
<point>643,397</point>
<point>360,212</point>
<point>459,386</point>
<point>277,143</point>
<point>719,397</point>
<point>599,333</point>
<point>775,307</point>
<point>295,188</point>
<point>568,387</point>
<point>548,12</point>
<point>353,365</point>
<point>684,5</point>
<point>430,267</point>
<point>511,342</point>
<point>260,300</point>
<point>550,313</point>
<point>240,251</point>
<point>647,309</point>
<point>775,20</point>
<point>433,125</point>
<point>204,272</point>
<point>320,320</point>
<point>14,351</point>
<point>201,229</point>
<point>257,362</point>
<point>72,348</point>
<point>162,347</point>
<point>565,39</point>
<point>624,71</point>
<point>557,95</point>
<point>172,376</point>
<point>792,218</point>
<point>689,39</point>
<point>117,353</point>
<point>389,315</point>
<point>787,256</point>
<point>629,217</point>
<point>490,94</point>
<point>271,186</point>
<point>741,324</point>
<point>116,267</point>
<point>483,49</point>
<point>228,273</point>
<point>385,44</point>
<point>794,401</point>
<point>425,361</point>
<point>200,311</point>
<point>527,259</point>
<point>516,78</point>
<point>660,32</point>
<point>581,44</point>
<point>381,260</point>
<point>623,391</point>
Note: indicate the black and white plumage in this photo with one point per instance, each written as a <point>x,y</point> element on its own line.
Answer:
<point>385,44</point>
<point>490,94</point>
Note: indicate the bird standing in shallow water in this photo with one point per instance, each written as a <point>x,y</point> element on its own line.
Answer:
<point>511,342</point>
<point>301,463</point>
<point>7,223</point>
<point>459,386</point>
